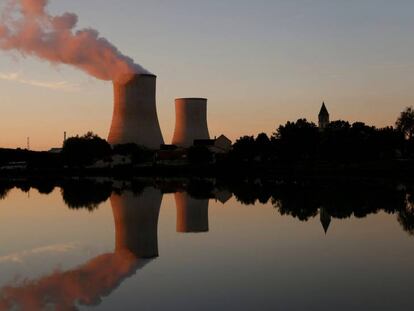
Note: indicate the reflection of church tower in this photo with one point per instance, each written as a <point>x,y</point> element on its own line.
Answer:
<point>325,219</point>
<point>136,222</point>
<point>323,117</point>
<point>192,214</point>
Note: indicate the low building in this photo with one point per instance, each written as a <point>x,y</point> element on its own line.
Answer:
<point>218,145</point>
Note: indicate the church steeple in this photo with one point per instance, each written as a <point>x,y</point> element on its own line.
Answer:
<point>323,117</point>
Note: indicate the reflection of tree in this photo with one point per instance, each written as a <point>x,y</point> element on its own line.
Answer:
<point>85,193</point>
<point>339,199</point>
<point>406,216</point>
<point>296,201</point>
<point>248,192</point>
<point>5,187</point>
<point>44,186</point>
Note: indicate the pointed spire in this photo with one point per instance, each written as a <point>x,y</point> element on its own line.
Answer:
<point>324,111</point>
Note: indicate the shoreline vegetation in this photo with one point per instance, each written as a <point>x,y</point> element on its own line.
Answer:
<point>295,149</point>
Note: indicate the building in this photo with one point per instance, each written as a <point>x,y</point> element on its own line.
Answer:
<point>323,117</point>
<point>217,145</point>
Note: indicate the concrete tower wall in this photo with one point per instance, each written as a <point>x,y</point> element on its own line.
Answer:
<point>190,122</point>
<point>135,117</point>
<point>136,222</point>
<point>192,214</point>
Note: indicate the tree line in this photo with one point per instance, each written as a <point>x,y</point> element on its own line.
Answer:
<point>340,140</point>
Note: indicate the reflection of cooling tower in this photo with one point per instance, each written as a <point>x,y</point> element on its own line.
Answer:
<point>135,115</point>
<point>192,214</point>
<point>136,222</point>
<point>191,121</point>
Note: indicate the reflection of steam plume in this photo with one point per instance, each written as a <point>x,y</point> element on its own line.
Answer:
<point>63,290</point>
<point>192,214</point>
<point>28,28</point>
<point>136,222</point>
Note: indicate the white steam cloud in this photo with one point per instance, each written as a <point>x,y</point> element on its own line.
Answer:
<point>28,28</point>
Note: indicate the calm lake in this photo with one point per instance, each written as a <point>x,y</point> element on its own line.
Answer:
<point>203,245</point>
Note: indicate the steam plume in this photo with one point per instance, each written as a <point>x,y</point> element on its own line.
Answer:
<point>27,27</point>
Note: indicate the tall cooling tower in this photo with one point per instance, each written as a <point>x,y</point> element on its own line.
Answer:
<point>135,117</point>
<point>136,222</point>
<point>190,121</point>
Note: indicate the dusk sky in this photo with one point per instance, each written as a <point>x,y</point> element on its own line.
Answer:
<point>259,63</point>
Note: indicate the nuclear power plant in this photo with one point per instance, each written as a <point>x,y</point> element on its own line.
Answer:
<point>135,117</point>
<point>190,121</point>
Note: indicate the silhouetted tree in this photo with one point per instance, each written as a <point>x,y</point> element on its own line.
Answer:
<point>85,150</point>
<point>297,140</point>
<point>137,153</point>
<point>243,149</point>
<point>405,122</point>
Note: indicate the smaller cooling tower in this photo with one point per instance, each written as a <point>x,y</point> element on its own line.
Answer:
<point>135,117</point>
<point>190,121</point>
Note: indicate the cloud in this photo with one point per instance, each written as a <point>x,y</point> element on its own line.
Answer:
<point>53,85</point>
<point>26,26</point>
<point>19,257</point>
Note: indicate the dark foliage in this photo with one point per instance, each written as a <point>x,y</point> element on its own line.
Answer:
<point>5,188</point>
<point>405,123</point>
<point>297,140</point>
<point>83,193</point>
<point>137,153</point>
<point>304,141</point>
<point>84,150</point>
<point>199,155</point>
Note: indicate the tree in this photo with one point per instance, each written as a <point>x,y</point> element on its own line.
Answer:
<point>243,148</point>
<point>298,140</point>
<point>86,149</point>
<point>405,122</point>
<point>138,154</point>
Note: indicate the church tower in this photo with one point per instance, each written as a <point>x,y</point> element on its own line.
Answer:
<point>323,117</point>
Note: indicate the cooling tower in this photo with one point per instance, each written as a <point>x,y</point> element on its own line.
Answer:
<point>135,117</point>
<point>136,222</point>
<point>190,121</point>
<point>192,214</point>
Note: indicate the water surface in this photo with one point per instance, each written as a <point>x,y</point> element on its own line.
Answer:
<point>249,246</point>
